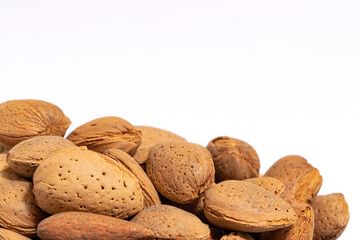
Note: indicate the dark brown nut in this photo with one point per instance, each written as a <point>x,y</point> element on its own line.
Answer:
<point>6,234</point>
<point>181,171</point>
<point>301,179</point>
<point>150,194</point>
<point>26,156</point>
<point>77,179</point>
<point>18,211</point>
<point>150,137</point>
<point>106,133</point>
<point>24,119</point>
<point>168,222</point>
<point>245,207</point>
<point>331,216</point>
<point>233,159</point>
<point>303,229</point>
<point>85,226</point>
<point>273,185</point>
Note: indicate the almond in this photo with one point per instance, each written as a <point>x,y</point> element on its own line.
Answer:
<point>106,133</point>
<point>237,236</point>
<point>6,234</point>
<point>243,206</point>
<point>181,171</point>
<point>168,222</point>
<point>273,185</point>
<point>233,159</point>
<point>77,179</point>
<point>151,136</point>
<point>24,119</point>
<point>331,216</point>
<point>4,147</point>
<point>18,210</point>
<point>26,156</point>
<point>83,226</point>
<point>301,179</point>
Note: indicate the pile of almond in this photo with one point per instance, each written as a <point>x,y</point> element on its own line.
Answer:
<point>109,180</point>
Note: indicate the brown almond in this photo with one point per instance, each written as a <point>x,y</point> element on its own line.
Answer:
<point>18,210</point>
<point>77,179</point>
<point>243,206</point>
<point>6,234</point>
<point>84,226</point>
<point>331,216</point>
<point>168,222</point>
<point>26,156</point>
<point>151,136</point>
<point>24,119</point>
<point>237,236</point>
<point>4,147</point>
<point>106,133</point>
<point>273,185</point>
<point>302,180</point>
<point>150,194</point>
<point>303,229</point>
<point>196,207</point>
<point>233,159</point>
<point>181,171</point>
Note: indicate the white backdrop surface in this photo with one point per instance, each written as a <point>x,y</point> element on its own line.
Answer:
<point>283,76</point>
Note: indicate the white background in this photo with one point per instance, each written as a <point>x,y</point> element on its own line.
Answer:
<point>283,76</point>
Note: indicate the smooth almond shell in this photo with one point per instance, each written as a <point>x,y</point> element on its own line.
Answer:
<point>106,133</point>
<point>24,119</point>
<point>77,179</point>
<point>6,234</point>
<point>303,229</point>
<point>180,171</point>
<point>301,179</point>
<point>151,136</point>
<point>150,194</point>
<point>18,210</point>
<point>331,216</point>
<point>26,156</point>
<point>168,222</point>
<point>84,226</point>
<point>243,206</point>
<point>233,159</point>
<point>270,184</point>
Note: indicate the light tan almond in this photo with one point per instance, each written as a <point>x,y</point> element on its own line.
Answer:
<point>18,210</point>
<point>237,236</point>
<point>26,156</point>
<point>301,179</point>
<point>233,159</point>
<point>243,206</point>
<point>85,226</point>
<point>331,216</point>
<point>106,133</point>
<point>180,171</point>
<point>24,119</point>
<point>168,222</point>
<point>273,185</point>
<point>77,179</point>
<point>150,194</point>
<point>151,136</point>
<point>303,229</point>
<point>6,234</point>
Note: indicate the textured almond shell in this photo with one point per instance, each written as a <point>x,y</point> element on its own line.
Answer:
<point>77,179</point>
<point>4,147</point>
<point>301,179</point>
<point>18,210</point>
<point>151,136</point>
<point>331,216</point>
<point>303,229</point>
<point>105,133</point>
<point>243,206</point>
<point>180,171</point>
<point>24,119</point>
<point>270,184</point>
<point>150,194</point>
<point>168,222</point>
<point>82,225</point>
<point>233,159</point>
<point>237,236</point>
<point>26,156</point>
<point>6,234</point>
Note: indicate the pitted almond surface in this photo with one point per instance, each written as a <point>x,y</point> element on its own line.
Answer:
<point>273,185</point>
